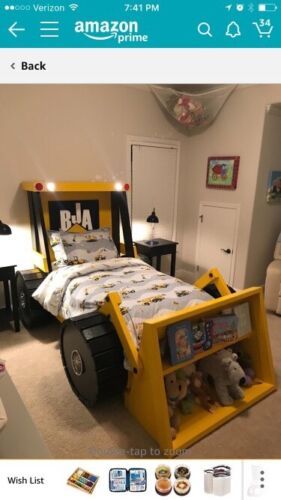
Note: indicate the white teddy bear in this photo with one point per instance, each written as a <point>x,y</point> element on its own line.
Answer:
<point>226,373</point>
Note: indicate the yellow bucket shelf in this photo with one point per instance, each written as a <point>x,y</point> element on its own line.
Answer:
<point>145,396</point>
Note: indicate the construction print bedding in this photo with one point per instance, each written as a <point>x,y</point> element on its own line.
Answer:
<point>73,290</point>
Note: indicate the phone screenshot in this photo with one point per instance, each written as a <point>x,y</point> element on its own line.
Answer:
<point>140,248</point>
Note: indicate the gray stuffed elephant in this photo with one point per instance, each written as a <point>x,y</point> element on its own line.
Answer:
<point>227,375</point>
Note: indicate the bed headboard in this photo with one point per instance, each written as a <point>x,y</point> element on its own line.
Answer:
<point>76,207</point>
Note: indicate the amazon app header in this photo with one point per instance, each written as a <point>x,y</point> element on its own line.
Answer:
<point>158,24</point>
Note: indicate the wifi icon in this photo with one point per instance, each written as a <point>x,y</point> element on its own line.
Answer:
<point>73,6</point>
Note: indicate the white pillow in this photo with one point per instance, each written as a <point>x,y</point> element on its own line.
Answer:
<point>58,249</point>
<point>89,246</point>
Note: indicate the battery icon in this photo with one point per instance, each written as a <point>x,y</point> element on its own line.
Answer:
<point>267,7</point>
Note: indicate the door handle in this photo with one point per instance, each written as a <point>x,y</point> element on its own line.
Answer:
<point>226,250</point>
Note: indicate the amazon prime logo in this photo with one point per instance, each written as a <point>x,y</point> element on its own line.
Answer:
<point>121,31</point>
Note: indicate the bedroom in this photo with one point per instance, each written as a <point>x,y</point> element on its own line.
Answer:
<point>81,132</point>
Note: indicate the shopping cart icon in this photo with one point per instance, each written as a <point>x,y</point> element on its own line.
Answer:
<point>264,30</point>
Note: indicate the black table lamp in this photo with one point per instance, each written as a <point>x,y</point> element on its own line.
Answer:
<point>152,219</point>
<point>4,229</point>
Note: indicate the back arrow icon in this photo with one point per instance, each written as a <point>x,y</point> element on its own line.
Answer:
<point>13,29</point>
<point>13,65</point>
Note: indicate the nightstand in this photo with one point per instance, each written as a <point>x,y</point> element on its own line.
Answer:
<point>159,248</point>
<point>8,276</point>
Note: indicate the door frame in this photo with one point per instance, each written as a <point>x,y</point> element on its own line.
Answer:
<point>218,204</point>
<point>156,143</point>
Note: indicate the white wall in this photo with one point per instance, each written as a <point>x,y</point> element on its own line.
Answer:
<point>58,132</point>
<point>66,132</point>
<point>237,131</point>
<point>266,223</point>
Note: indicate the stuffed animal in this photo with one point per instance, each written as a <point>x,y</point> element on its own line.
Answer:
<point>226,373</point>
<point>245,361</point>
<point>200,390</point>
<point>187,403</point>
<point>186,372</point>
<point>176,390</point>
<point>189,111</point>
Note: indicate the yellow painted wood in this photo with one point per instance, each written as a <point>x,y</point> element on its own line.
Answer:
<point>260,350</point>
<point>72,186</point>
<point>145,396</point>
<point>197,425</point>
<point>203,309</point>
<point>111,308</point>
<point>213,276</point>
<point>123,250</point>
<point>39,261</point>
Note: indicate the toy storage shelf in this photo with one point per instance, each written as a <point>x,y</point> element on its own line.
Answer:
<point>168,368</point>
<point>145,396</point>
<point>200,422</point>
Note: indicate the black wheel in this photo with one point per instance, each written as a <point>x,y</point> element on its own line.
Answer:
<point>93,358</point>
<point>30,311</point>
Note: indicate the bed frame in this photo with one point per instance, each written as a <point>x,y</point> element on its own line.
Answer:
<point>93,345</point>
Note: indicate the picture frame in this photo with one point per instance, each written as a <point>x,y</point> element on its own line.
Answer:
<point>180,342</point>
<point>222,172</point>
<point>274,187</point>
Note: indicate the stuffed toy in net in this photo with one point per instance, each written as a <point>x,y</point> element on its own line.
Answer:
<point>192,110</point>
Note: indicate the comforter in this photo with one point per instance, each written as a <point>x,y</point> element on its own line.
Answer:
<point>145,293</point>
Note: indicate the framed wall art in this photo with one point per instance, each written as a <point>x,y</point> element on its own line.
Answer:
<point>222,172</point>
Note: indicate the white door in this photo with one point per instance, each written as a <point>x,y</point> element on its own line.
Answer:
<point>216,241</point>
<point>154,182</point>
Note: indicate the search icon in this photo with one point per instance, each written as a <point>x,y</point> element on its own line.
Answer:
<point>204,29</point>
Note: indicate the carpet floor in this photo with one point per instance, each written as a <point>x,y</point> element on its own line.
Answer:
<point>70,430</point>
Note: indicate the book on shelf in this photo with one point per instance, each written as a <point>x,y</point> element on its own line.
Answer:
<point>242,311</point>
<point>224,327</point>
<point>201,332</point>
<point>180,342</point>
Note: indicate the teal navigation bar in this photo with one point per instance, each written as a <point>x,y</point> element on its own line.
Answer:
<point>149,24</point>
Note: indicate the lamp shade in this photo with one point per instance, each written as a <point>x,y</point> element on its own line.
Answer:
<point>152,218</point>
<point>4,229</point>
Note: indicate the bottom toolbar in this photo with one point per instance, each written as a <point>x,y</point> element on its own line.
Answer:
<point>197,479</point>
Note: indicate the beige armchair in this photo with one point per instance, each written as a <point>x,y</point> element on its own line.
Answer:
<point>273,281</point>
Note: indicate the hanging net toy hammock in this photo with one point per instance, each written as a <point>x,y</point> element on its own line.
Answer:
<point>192,110</point>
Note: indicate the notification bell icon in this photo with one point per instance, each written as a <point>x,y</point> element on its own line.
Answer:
<point>233,30</point>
